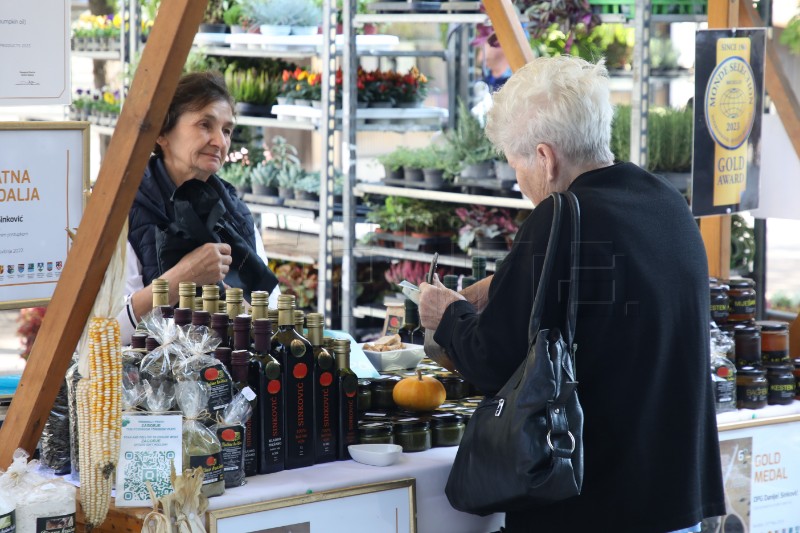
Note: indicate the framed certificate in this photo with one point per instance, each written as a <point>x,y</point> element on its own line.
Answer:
<point>44,180</point>
<point>378,507</point>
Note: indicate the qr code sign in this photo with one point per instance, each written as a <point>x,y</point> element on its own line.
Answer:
<point>146,466</point>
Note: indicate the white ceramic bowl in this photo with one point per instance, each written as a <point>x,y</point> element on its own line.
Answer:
<point>375,454</point>
<point>404,359</point>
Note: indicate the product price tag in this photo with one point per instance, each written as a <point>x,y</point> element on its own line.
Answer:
<point>248,394</point>
<point>149,445</point>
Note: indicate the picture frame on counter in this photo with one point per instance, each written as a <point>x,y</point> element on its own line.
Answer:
<point>44,184</point>
<point>373,507</point>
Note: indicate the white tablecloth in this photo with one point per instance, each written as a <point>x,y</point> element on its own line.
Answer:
<point>429,468</point>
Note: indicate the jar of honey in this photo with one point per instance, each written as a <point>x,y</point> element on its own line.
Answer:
<point>742,299</point>
<point>748,346</point>
<point>781,385</point>
<point>719,304</point>
<point>774,342</point>
<point>751,388</point>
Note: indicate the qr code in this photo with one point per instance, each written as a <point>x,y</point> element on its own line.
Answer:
<point>146,466</point>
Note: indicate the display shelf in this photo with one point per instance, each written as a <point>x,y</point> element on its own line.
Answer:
<point>102,130</point>
<point>377,119</point>
<point>264,122</point>
<point>296,246</point>
<point>242,52</point>
<point>453,197</point>
<point>426,7</point>
<point>459,261</point>
<point>106,55</point>
<point>420,18</point>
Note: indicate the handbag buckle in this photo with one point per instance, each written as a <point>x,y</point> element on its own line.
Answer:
<point>569,434</point>
<point>499,411</point>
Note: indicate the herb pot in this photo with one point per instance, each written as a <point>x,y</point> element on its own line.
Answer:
<point>275,29</point>
<point>212,28</point>
<point>484,169</point>
<point>396,174</point>
<point>504,172</point>
<point>434,177</point>
<point>286,193</point>
<point>412,174</point>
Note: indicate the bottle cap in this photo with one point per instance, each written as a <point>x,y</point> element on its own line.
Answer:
<point>201,318</point>
<point>234,295</point>
<point>239,357</point>
<point>223,353</point>
<point>315,320</point>
<point>151,344</point>
<point>210,292</point>
<point>219,320</point>
<point>241,323</point>
<point>187,288</point>
<point>286,302</point>
<point>160,285</point>
<point>138,341</point>
<point>259,298</point>
<point>262,325</point>
<point>183,316</point>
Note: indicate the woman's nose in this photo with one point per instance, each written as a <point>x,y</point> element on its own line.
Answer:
<point>218,138</point>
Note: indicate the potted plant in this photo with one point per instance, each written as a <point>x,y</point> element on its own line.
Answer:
<point>393,162</point>
<point>411,88</point>
<point>237,173</point>
<point>307,187</point>
<point>300,281</point>
<point>502,170</point>
<point>468,143</point>
<point>288,170</point>
<point>305,18</point>
<point>213,21</point>
<point>236,18</point>
<point>272,17</point>
<point>264,180</point>
<point>253,90</point>
<point>490,228</point>
<point>436,164</point>
<point>392,216</point>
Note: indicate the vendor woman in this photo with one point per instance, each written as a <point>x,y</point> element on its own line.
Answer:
<point>186,224</point>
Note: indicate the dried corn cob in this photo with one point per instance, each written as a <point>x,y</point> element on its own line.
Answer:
<point>99,418</point>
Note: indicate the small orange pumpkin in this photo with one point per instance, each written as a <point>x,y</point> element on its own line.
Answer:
<point>420,393</point>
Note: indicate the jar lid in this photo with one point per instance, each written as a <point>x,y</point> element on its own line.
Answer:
<point>385,383</point>
<point>375,429</point>
<point>740,283</point>
<point>742,329</point>
<point>796,362</point>
<point>410,424</point>
<point>442,419</point>
<point>449,378</point>
<point>712,280</point>
<point>779,368</point>
<point>772,325</point>
<point>718,289</point>
<point>750,371</point>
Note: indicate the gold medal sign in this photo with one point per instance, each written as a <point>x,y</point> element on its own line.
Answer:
<point>730,111</point>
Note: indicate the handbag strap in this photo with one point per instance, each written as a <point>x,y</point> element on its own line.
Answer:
<point>544,280</point>
<point>549,259</point>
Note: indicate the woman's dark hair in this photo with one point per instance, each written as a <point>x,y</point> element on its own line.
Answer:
<point>194,92</point>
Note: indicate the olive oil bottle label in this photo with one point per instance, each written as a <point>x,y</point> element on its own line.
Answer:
<point>219,386</point>
<point>232,439</point>
<point>250,451</point>
<point>325,406</point>
<point>724,390</point>
<point>8,523</point>
<point>212,467</point>
<point>273,420</point>
<point>64,523</point>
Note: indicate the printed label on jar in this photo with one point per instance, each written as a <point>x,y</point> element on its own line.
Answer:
<point>775,357</point>
<point>8,523</point>
<point>56,524</point>
<point>743,305</point>
<point>781,392</point>
<point>719,311</point>
<point>212,466</point>
<point>723,390</point>
<point>755,394</point>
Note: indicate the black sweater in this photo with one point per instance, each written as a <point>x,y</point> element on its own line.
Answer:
<point>651,448</point>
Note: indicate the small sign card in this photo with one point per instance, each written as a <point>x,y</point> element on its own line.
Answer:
<point>149,445</point>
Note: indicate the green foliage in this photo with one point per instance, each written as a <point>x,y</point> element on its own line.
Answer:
<point>669,139</point>
<point>282,12</point>
<point>791,35</point>
<point>663,54</point>
<point>215,10</point>
<point>467,143</point>
<point>237,174</point>
<point>265,173</point>
<point>743,244</point>
<point>615,41</point>
<point>308,183</point>
<point>567,15</point>
<point>285,160</point>
<point>233,15</point>
<point>392,215</point>
<point>251,86</point>
<point>783,302</point>
<point>397,159</point>
<point>199,62</point>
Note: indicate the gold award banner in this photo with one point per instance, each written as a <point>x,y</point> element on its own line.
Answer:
<point>729,96</point>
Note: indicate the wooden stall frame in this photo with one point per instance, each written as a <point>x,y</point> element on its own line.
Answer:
<point>120,174</point>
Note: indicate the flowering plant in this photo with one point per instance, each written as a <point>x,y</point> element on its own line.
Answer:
<point>488,222</point>
<point>30,320</point>
<point>299,280</point>
<point>301,84</point>
<point>410,87</point>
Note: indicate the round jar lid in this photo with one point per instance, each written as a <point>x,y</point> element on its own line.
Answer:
<point>772,325</point>
<point>375,429</point>
<point>750,371</point>
<point>774,369</point>
<point>719,289</point>
<point>745,330</point>
<point>446,419</point>
<point>449,378</point>
<point>740,283</point>
<point>410,424</point>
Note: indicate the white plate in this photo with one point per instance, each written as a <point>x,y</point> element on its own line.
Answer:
<point>375,454</point>
<point>406,358</point>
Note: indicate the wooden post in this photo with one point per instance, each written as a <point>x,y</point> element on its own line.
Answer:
<point>716,230</point>
<point>119,178</point>
<point>509,32</point>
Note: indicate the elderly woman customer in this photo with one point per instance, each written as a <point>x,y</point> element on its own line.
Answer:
<point>651,450</point>
<point>186,224</point>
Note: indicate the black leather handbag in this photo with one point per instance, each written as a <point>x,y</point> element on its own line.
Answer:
<point>524,445</point>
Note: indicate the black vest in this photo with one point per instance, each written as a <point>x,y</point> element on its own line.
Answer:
<point>152,209</point>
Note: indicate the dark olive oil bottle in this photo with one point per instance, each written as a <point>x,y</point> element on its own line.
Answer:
<point>325,418</point>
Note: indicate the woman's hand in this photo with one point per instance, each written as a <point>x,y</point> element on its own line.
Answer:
<point>207,264</point>
<point>433,301</point>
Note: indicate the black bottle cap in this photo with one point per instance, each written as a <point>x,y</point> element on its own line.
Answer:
<point>138,341</point>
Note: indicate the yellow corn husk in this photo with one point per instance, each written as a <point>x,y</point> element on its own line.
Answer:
<point>100,415</point>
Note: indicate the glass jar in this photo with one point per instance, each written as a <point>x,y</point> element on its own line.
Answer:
<point>751,388</point>
<point>774,342</point>
<point>447,429</point>
<point>364,395</point>
<point>719,304</point>
<point>748,346</point>
<point>382,389</point>
<point>723,378</point>
<point>375,416</point>
<point>455,387</point>
<point>796,372</point>
<point>742,299</point>
<point>375,433</point>
<point>781,385</point>
<point>413,434</point>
